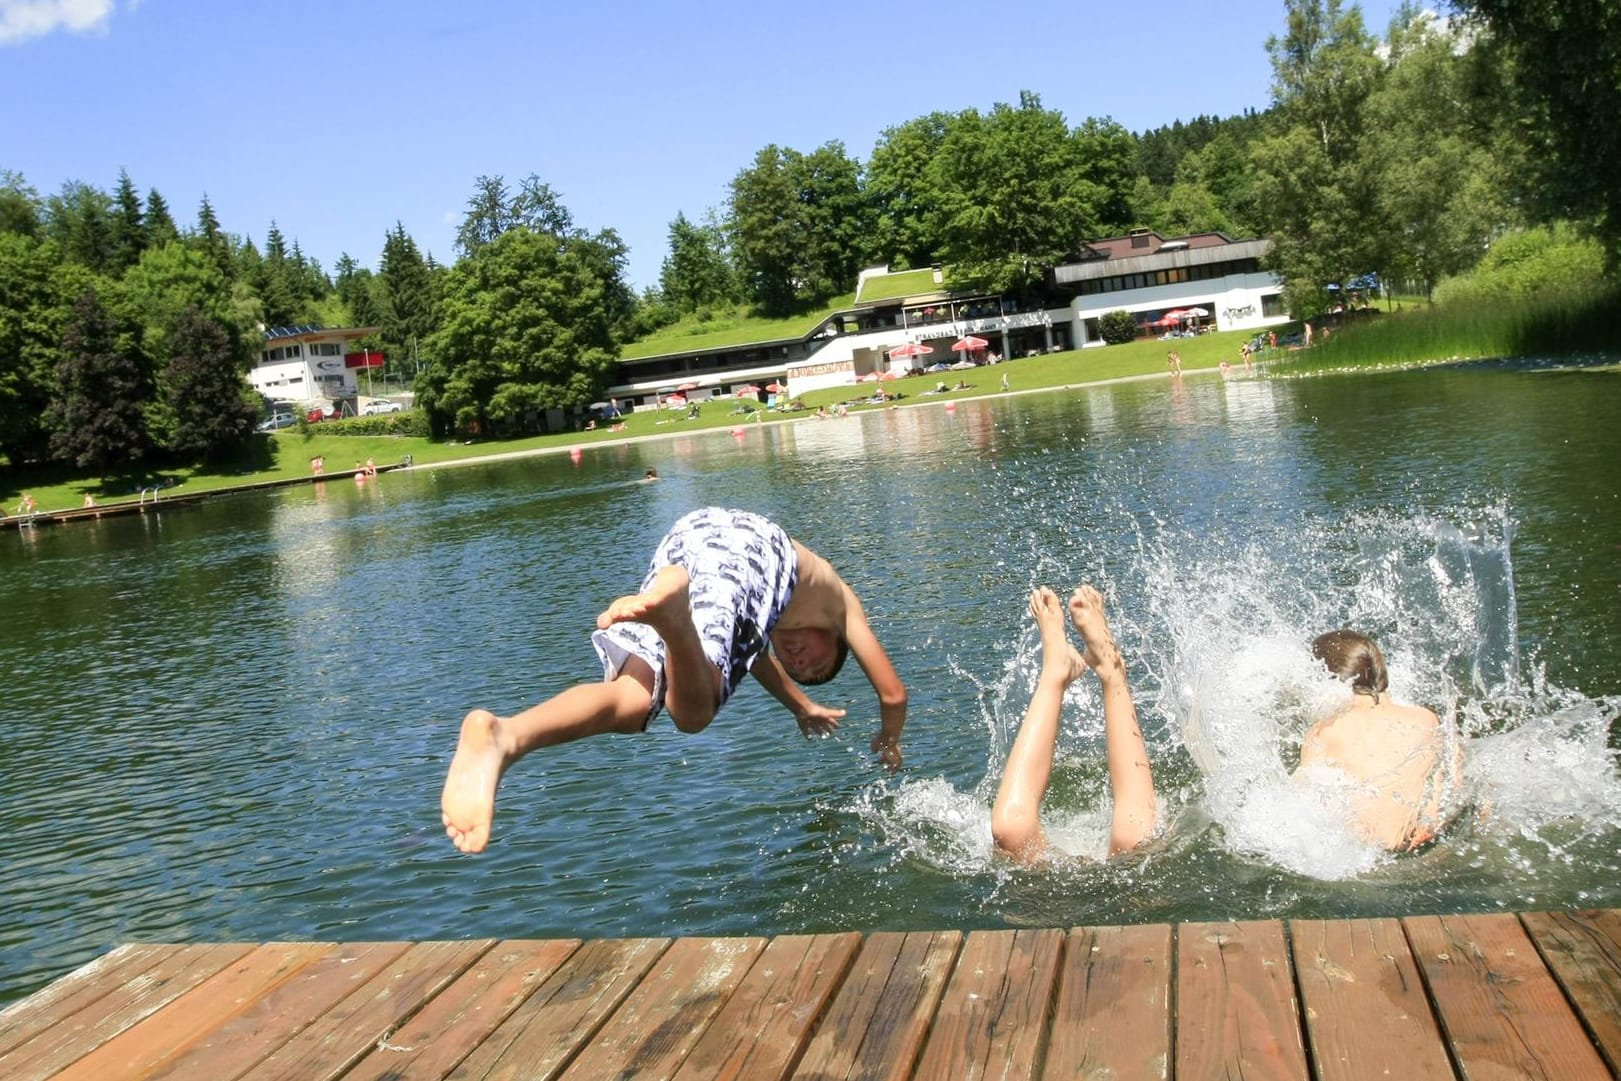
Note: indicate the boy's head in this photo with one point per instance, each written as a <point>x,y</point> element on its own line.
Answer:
<point>1354,658</point>
<point>810,655</point>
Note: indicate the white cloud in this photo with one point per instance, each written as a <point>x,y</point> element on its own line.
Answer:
<point>24,20</point>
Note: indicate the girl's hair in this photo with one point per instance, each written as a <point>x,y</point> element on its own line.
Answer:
<point>1354,658</point>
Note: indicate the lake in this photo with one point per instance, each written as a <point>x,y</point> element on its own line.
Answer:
<point>231,721</point>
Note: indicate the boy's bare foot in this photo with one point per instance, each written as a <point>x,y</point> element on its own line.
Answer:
<point>1058,657</point>
<point>467,806</point>
<point>1086,611</point>
<point>663,602</point>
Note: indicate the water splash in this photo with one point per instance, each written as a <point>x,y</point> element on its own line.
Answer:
<point>1217,638</point>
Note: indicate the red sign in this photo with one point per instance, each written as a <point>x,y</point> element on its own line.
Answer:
<point>368,359</point>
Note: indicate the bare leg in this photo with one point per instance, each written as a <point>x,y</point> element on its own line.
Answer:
<point>1016,815</point>
<point>489,744</point>
<point>691,681</point>
<point>1130,780</point>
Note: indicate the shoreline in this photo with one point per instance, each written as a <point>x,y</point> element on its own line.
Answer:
<point>181,499</point>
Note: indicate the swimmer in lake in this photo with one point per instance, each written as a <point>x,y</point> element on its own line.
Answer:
<point>1404,763</point>
<point>1016,815</point>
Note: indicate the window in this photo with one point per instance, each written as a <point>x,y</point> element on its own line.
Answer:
<point>1272,305</point>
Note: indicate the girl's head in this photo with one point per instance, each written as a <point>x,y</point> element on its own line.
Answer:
<point>1354,658</point>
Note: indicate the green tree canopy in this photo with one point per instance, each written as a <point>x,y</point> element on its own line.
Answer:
<point>528,324</point>
<point>204,389</point>
<point>96,417</point>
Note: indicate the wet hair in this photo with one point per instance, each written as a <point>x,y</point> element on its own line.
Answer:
<point>838,663</point>
<point>1354,658</point>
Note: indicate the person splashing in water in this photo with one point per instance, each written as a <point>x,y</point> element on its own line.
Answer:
<point>1016,815</point>
<point>1399,765</point>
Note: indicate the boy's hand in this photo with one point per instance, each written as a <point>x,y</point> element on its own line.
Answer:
<point>888,750</point>
<point>815,720</point>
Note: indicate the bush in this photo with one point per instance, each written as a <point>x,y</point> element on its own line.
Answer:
<point>1117,327</point>
<point>1527,264</point>
<point>409,422</point>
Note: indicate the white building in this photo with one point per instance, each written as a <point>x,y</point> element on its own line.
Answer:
<point>312,366</point>
<point>1151,277</point>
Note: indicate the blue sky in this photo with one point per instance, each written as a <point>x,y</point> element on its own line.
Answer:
<point>338,118</point>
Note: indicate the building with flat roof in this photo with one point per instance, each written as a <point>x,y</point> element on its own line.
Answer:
<point>1154,279</point>
<point>312,365</point>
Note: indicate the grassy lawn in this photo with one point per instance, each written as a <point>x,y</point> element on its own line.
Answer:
<point>286,455</point>
<point>903,283</point>
<point>728,329</point>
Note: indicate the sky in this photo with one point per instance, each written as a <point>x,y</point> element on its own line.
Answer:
<point>339,118</point>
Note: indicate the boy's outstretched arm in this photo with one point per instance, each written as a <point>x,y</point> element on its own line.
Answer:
<point>814,719</point>
<point>886,682</point>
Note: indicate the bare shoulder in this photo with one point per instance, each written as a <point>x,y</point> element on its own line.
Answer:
<point>820,595</point>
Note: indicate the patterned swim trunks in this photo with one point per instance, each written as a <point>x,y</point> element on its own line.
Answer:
<point>743,569</point>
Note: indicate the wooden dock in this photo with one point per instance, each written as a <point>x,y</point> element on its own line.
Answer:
<point>1534,995</point>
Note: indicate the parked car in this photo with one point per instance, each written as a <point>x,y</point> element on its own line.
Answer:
<point>380,405</point>
<point>277,422</point>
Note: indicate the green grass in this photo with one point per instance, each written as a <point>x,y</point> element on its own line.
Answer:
<point>903,283</point>
<point>728,329</point>
<point>1580,323</point>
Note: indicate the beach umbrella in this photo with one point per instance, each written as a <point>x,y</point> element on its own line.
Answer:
<point>968,342</point>
<point>775,388</point>
<point>684,387</point>
<point>911,349</point>
<point>747,390</point>
<point>1197,313</point>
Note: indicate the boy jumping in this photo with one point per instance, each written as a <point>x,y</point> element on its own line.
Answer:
<point>723,586</point>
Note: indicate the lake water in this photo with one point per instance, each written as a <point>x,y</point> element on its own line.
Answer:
<point>232,721</point>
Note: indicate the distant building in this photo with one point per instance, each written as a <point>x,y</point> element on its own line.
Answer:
<point>312,365</point>
<point>1197,282</point>
<point>1154,279</point>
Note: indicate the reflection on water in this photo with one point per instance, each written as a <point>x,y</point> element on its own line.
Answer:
<point>232,721</point>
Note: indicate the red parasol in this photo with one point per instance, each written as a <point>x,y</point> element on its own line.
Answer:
<point>911,349</point>
<point>968,342</point>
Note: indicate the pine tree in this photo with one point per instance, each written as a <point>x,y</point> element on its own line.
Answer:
<point>406,308</point>
<point>276,282</point>
<point>127,230</point>
<point>96,418</point>
<point>160,226</point>
<point>213,241</point>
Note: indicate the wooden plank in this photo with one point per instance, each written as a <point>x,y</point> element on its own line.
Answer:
<point>1236,1010</point>
<point>877,1022</point>
<point>59,1000</point>
<point>992,1019</point>
<point>767,1024</point>
<point>455,1023</point>
<point>1499,1006</point>
<point>545,1032</point>
<point>274,1017</point>
<point>104,1019</point>
<point>1366,1011</point>
<point>142,1049</point>
<point>347,1032</point>
<point>1113,1015</point>
<point>652,1033</point>
<point>1583,949</point>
